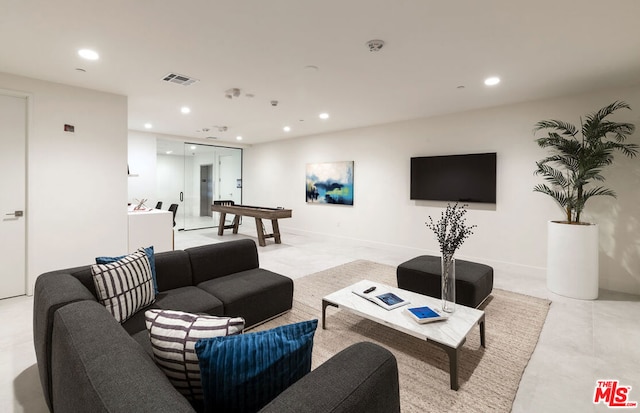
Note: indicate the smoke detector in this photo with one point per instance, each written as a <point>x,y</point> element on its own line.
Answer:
<point>234,92</point>
<point>375,45</point>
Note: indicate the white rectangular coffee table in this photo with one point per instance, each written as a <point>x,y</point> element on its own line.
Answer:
<point>449,335</point>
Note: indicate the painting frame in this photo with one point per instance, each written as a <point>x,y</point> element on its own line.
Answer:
<point>330,183</point>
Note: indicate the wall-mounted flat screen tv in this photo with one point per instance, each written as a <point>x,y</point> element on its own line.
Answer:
<point>461,178</point>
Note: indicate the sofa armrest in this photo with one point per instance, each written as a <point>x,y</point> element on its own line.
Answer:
<point>98,367</point>
<point>52,291</point>
<point>361,378</point>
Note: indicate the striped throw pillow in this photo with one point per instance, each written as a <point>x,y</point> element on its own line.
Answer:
<point>152,263</point>
<point>173,337</point>
<point>124,286</point>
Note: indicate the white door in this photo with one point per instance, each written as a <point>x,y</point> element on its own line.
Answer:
<point>230,177</point>
<point>13,120</point>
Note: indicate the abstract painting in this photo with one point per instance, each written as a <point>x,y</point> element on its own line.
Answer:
<point>330,183</point>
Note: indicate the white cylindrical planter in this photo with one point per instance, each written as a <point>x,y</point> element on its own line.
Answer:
<point>572,260</point>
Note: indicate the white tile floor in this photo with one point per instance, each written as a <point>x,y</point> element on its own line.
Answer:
<point>582,341</point>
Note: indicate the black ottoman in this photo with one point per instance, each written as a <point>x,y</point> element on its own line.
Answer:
<point>423,275</point>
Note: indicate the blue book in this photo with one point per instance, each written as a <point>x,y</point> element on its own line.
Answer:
<point>425,314</point>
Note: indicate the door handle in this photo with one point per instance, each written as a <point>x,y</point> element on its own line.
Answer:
<point>181,196</point>
<point>16,214</point>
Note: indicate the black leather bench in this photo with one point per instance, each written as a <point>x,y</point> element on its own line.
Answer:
<point>423,275</point>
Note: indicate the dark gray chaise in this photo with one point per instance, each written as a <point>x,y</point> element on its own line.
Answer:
<point>88,362</point>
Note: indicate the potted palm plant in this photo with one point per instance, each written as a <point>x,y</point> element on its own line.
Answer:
<point>573,174</point>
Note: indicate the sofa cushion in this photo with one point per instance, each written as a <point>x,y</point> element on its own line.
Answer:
<point>152,263</point>
<point>217,260</point>
<point>173,270</point>
<point>124,286</point>
<point>255,295</point>
<point>142,338</point>
<point>190,300</point>
<point>245,372</point>
<point>173,337</point>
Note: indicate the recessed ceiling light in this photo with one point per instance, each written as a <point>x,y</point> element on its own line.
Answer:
<point>287,129</point>
<point>88,54</point>
<point>148,126</point>
<point>324,116</point>
<point>193,147</point>
<point>492,81</point>
<point>239,138</point>
<point>185,109</point>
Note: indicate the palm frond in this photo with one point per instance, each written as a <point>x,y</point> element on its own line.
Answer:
<point>560,197</point>
<point>593,123</point>
<point>628,149</point>
<point>551,175</point>
<point>565,128</point>
<point>565,161</point>
<point>619,130</point>
<point>597,117</point>
<point>598,191</point>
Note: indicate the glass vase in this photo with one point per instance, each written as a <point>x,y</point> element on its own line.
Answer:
<point>448,284</point>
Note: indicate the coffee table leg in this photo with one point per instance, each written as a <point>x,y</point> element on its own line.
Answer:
<point>325,304</point>
<point>453,363</point>
<point>453,367</point>
<point>481,324</point>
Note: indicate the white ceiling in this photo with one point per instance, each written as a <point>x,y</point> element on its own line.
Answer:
<point>540,49</point>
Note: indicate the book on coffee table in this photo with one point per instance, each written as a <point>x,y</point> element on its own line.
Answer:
<point>425,314</point>
<point>384,299</point>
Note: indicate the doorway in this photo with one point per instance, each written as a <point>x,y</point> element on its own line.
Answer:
<point>193,176</point>
<point>13,170</point>
<point>206,190</point>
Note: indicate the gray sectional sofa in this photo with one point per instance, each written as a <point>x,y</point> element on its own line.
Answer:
<point>88,362</point>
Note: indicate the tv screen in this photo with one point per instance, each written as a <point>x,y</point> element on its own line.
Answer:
<point>462,178</point>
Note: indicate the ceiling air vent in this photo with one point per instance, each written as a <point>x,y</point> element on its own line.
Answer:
<point>179,79</point>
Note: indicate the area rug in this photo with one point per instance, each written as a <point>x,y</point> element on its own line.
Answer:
<point>488,378</point>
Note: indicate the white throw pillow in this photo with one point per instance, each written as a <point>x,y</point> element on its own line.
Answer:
<point>124,286</point>
<point>173,338</point>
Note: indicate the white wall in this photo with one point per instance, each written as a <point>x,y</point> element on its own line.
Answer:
<point>510,234</point>
<point>142,166</point>
<point>77,183</point>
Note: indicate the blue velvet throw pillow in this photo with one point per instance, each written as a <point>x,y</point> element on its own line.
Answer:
<point>245,372</point>
<point>152,263</point>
